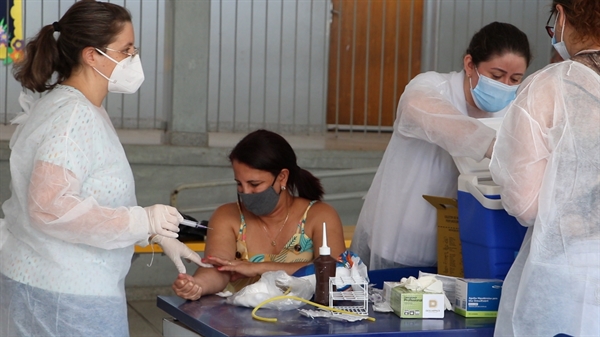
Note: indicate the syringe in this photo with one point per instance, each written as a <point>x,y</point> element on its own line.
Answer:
<point>195,224</point>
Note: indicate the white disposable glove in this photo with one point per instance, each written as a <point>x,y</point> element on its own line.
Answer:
<point>163,220</point>
<point>177,250</point>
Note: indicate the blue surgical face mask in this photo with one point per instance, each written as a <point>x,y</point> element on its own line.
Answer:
<point>560,47</point>
<point>261,203</point>
<point>490,95</point>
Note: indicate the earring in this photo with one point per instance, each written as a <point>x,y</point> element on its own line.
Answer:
<point>283,188</point>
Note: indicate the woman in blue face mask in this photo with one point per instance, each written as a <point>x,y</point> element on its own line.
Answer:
<point>275,224</point>
<point>437,118</point>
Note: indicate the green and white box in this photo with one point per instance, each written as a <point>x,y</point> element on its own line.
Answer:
<point>417,304</point>
<point>387,290</point>
<point>477,297</point>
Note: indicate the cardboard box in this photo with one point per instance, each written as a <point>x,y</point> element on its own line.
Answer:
<point>417,304</point>
<point>449,250</point>
<point>477,297</point>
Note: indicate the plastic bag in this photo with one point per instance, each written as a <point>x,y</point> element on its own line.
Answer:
<point>273,284</point>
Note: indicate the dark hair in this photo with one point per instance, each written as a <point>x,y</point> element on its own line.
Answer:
<point>267,151</point>
<point>87,23</point>
<point>496,39</point>
<point>583,15</point>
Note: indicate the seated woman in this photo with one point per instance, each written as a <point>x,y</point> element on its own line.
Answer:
<point>275,225</point>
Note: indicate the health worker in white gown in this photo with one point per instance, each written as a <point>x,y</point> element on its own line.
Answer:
<point>547,161</point>
<point>71,223</point>
<point>437,119</point>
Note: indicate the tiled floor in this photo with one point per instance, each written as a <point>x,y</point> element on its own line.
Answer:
<point>145,318</point>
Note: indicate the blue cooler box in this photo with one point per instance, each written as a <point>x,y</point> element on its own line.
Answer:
<point>490,238</point>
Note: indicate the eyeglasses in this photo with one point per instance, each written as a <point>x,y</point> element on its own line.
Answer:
<point>136,51</point>
<point>550,29</point>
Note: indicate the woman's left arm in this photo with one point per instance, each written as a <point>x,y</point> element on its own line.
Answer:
<point>243,269</point>
<point>323,213</point>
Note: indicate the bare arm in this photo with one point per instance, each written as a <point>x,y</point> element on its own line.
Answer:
<point>319,213</point>
<point>220,242</point>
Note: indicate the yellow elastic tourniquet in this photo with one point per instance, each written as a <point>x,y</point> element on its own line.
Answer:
<point>266,319</point>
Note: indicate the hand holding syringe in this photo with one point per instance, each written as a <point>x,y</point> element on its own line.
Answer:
<point>195,224</point>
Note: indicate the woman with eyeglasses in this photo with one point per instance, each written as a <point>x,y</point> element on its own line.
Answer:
<point>72,220</point>
<point>437,119</point>
<point>547,160</point>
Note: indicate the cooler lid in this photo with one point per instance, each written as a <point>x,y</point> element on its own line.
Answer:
<point>469,166</point>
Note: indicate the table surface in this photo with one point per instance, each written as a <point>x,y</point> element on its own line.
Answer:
<point>211,316</point>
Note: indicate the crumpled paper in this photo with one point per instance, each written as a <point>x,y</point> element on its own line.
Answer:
<point>428,284</point>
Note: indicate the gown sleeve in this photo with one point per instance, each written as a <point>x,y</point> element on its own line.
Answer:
<point>55,203</point>
<point>428,113</point>
<point>521,151</point>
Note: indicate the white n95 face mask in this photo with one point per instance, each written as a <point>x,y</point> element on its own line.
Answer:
<point>127,77</point>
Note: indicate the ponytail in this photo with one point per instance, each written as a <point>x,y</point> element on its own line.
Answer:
<point>39,63</point>
<point>307,185</point>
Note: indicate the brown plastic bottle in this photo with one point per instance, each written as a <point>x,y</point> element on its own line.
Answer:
<point>324,269</point>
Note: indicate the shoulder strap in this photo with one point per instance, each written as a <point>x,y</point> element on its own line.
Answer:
<point>303,221</point>
<point>242,219</point>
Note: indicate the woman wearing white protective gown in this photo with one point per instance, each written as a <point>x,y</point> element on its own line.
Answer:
<point>72,220</point>
<point>547,160</point>
<point>437,119</point>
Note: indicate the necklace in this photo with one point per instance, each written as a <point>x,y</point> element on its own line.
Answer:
<point>273,241</point>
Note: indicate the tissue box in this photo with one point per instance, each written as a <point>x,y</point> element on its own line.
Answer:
<point>387,290</point>
<point>477,297</point>
<point>448,282</point>
<point>416,304</point>
<point>449,249</point>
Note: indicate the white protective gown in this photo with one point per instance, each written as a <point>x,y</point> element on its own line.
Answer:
<point>547,159</point>
<point>71,222</point>
<point>396,226</point>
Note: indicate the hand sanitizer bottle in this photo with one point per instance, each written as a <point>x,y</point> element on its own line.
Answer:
<point>324,269</point>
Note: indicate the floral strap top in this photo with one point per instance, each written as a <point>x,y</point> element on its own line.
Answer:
<point>299,248</point>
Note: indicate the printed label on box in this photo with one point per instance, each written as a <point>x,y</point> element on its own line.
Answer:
<point>477,297</point>
<point>416,304</point>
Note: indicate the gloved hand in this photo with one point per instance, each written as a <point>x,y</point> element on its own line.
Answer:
<point>177,250</point>
<point>164,220</point>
